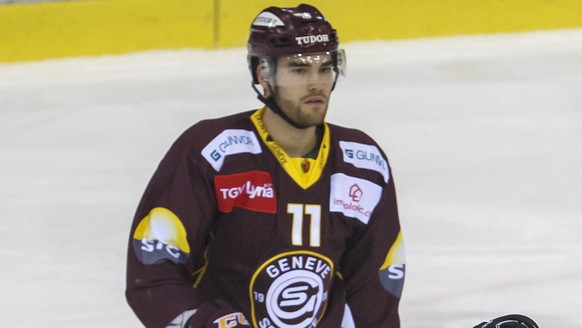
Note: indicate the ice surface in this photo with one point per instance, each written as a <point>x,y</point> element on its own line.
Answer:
<point>484,134</point>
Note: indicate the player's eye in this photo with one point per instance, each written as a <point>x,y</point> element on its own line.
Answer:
<point>299,70</point>
<point>325,69</point>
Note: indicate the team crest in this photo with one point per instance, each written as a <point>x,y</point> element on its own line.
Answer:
<point>291,290</point>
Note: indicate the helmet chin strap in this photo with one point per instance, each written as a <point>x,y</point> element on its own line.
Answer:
<point>272,104</point>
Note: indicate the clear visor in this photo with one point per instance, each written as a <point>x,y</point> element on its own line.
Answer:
<point>319,68</point>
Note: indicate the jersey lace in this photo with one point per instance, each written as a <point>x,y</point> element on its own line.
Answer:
<point>304,171</point>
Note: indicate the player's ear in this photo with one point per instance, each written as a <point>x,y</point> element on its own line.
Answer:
<point>261,74</point>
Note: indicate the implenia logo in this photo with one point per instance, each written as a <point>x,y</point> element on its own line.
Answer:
<point>356,192</point>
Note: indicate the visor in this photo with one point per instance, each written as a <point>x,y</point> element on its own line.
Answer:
<point>297,69</point>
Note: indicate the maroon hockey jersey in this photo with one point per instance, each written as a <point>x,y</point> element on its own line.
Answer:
<point>289,242</point>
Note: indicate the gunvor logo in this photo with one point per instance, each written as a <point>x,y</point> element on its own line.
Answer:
<point>365,157</point>
<point>230,142</point>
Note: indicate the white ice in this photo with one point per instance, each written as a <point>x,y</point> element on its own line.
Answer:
<point>484,134</point>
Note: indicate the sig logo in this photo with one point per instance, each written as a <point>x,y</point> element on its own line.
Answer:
<point>393,269</point>
<point>365,156</point>
<point>160,236</point>
<point>291,290</point>
<point>151,246</point>
<point>396,271</point>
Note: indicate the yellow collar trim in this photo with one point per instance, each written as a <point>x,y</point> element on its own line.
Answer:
<point>304,171</point>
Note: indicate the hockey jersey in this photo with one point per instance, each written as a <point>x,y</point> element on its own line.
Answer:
<point>289,242</point>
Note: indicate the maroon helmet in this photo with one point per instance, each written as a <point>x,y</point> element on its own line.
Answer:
<point>289,31</point>
<point>277,32</point>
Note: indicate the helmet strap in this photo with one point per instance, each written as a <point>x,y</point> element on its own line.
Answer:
<point>272,104</point>
<point>335,65</point>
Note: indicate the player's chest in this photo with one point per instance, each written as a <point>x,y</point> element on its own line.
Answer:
<point>265,207</point>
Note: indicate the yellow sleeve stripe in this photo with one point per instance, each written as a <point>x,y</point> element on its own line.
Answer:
<point>396,254</point>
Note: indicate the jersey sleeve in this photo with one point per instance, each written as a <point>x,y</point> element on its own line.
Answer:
<point>168,238</point>
<point>373,266</point>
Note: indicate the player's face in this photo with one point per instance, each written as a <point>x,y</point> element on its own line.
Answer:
<point>303,86</point>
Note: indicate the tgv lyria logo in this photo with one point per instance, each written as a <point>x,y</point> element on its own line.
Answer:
<point>251,190</point>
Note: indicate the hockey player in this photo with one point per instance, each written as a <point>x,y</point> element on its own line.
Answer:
<point>272,217</point>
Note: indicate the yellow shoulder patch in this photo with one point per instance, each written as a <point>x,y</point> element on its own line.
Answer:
<point>161,236</point>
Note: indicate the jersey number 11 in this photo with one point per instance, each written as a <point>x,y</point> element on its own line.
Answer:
<point>299,212</point>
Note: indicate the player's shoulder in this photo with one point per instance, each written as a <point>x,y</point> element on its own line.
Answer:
<point>212,127</point>
<point>216,133</point>
<point>345,134</point>
<point>203,132</point>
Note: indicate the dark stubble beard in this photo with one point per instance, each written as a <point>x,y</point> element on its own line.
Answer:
<point>293,111</point>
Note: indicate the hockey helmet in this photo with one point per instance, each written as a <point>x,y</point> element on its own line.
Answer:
<point>300,30</point>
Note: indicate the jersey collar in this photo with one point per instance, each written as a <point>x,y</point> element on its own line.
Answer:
<point>304,171</point>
